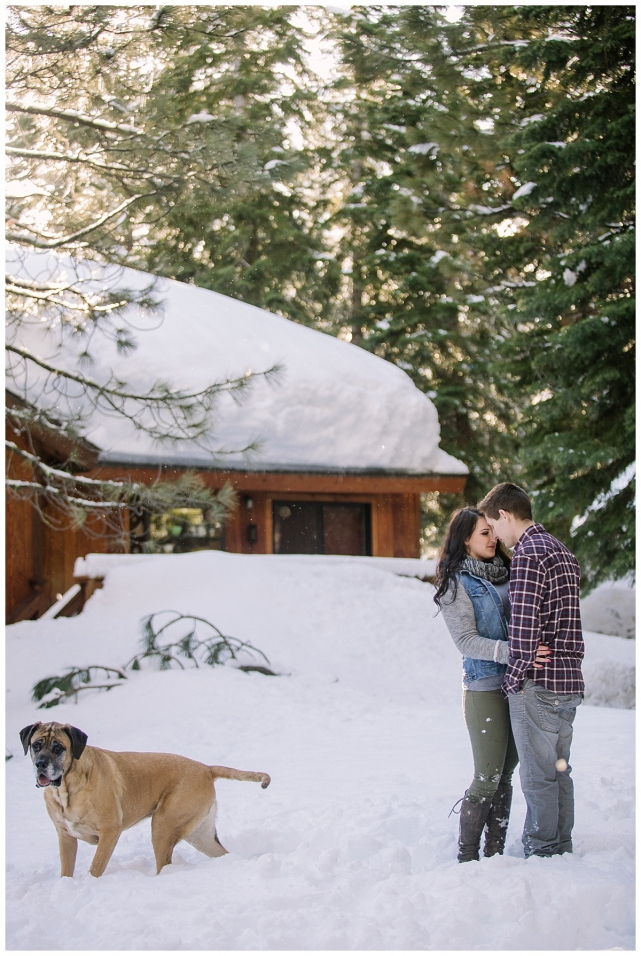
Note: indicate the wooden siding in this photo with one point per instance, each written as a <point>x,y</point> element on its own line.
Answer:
<point>40,560</point>
<point>61,548</point>
<point>396,522</point>
<point>406,525</point>
<point>295,482</point>
<point>21,572</point>
<point>394,500</point>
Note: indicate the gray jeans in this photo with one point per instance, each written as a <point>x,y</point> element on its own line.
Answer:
<point>542,728</point>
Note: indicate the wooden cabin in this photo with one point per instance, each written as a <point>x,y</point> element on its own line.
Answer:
<point>40,558</point>
<point>300,512</point>
<point>277,513</point>
<point>347,443</point>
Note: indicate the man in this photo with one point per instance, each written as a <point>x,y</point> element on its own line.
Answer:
<point>544,601</point>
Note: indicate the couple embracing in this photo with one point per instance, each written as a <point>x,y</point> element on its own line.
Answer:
<point>517,623</point>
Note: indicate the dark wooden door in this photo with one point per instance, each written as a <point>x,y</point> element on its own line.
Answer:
<point>318,527</point>
<point>344,530</point>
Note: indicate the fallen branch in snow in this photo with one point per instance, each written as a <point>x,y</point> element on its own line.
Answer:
<point>213,651</point>
<point>52,691</point>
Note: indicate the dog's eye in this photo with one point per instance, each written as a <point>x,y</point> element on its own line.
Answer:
<point>36,746</point>
<point>57,749</point>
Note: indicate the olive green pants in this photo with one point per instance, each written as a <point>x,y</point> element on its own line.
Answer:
<point>487,716</point>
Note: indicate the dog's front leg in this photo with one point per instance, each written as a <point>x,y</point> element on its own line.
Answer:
<point>68,846</point>
<point>107,840</point>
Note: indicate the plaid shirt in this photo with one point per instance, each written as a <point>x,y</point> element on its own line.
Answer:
<point>544,602</point>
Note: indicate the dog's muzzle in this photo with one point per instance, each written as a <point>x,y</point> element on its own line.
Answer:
<point>43,779</point>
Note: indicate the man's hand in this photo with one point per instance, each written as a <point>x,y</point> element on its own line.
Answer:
<point>543,654</point>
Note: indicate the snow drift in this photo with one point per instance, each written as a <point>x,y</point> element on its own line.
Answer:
<point>610,609</point>
<point>351,847</point>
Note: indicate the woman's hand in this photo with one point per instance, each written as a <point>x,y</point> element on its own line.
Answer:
<point>543,654</point>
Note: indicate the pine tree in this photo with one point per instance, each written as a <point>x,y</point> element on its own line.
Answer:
<point>408,127</point>
<point>176,138</point>
<point>573,352</point>
<point>242,71</point>
<point>506,139</point>
<point>91,167</point>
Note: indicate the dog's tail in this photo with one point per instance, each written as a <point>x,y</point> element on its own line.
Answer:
<point>227,773</point>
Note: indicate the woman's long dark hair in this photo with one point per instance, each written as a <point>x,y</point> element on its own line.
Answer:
<point>453,551</point>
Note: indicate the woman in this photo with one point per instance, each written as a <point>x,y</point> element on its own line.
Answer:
<point>472,592</point>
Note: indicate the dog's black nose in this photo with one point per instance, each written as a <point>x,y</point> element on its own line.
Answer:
<point>42,763</point>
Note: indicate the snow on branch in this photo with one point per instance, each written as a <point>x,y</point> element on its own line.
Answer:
<point>81,158</point>
<point>59,475</point>
<point>487,210</point>
<point>73,116</point>
<point>161,412</point>
<point>64,498</point>
<point>56,243</point>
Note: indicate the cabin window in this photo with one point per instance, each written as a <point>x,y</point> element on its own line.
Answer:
<point>321,527</point>
<point>177,531</point>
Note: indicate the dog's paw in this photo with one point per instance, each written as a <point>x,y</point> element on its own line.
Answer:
<point>265,782</point>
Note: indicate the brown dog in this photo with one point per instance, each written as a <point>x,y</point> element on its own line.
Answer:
<point>93,795</point>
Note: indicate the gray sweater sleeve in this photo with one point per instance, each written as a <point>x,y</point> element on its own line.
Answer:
<point>461,623</point>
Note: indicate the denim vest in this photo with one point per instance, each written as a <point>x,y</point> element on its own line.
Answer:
<point>490,622</point>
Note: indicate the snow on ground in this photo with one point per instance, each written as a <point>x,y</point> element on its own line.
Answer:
<point>610,608</point>
<point>351,847</point>
<point>337,405</point>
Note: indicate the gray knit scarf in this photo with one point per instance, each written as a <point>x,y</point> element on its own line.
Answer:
<point>493,571</point>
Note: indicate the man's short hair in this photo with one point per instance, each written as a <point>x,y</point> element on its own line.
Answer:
<point>506,497</point>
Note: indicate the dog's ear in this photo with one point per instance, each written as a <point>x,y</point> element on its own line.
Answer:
<point>27,733</point>
<point>78,740</point>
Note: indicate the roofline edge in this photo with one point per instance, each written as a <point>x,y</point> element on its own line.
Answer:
<point>142,461</point>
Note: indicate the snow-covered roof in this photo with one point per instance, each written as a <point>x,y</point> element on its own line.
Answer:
<point>335,406</point>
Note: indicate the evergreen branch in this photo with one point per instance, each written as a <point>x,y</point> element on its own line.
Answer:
<point>158,498</point>
<point>83,503</point>
<point>73,116</point>
<point>170,414</point>
<point>28,416</point>
<point>84,160</point>
<point>31,284</point>
<point>65,240</point>
<point>157,394</point>
<point>49,297</point>
<point>65,475</point>
<point>214,651</point>
<point>41,291</point>
<point>77,299</point>
<point>51,691</point>
<point>31,293</point>
<point>69,684</point>
<point>16,483</point>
